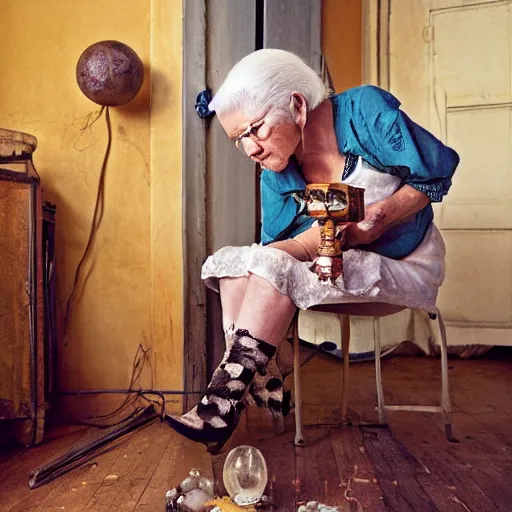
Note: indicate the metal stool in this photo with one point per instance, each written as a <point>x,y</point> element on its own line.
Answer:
<point>375,310</point>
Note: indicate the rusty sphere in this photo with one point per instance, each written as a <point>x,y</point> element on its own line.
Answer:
<point>110,73</point>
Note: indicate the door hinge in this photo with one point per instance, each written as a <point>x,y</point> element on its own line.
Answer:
<point>428,33</point>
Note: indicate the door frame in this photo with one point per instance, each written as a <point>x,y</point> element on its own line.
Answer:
<point>375,33</point>
<point>194,201</point>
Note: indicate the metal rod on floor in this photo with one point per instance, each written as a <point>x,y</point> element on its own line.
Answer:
<point>78,456</point>
<point>130,391</point>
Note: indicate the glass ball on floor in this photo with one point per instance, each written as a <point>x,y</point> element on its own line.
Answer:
<point>245,475</point>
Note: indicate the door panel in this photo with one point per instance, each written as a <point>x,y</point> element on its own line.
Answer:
<point>285,19</point>
<point>472,49</point>
<point>471,83</point>
<point>235,29</point>
<point>450,65</point>
<point>230,182</point>
<point>229,176</point>
<point>478,263</point>
<point>481,195</point>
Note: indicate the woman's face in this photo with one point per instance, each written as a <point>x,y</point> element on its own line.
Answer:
<point>263,140</point>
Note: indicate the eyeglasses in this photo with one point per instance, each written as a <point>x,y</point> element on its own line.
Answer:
<point>251,131</point>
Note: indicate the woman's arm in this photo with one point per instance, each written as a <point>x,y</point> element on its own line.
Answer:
<point>381,216</point>
<point>399,144</point>
<point>303,247</point>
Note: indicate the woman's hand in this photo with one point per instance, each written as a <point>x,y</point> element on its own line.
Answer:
<point>368,230</point>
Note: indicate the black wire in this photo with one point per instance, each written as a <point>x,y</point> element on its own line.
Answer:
<point>137,368</point>
<point>129,400</point>
<point>126,402</point>
<point>139,361</point>
<point>135,412</point>
<point>149,361</point>
<point>162,398</point>
<point>317,349</point>
<point>84,392</point>
<point>97,217</point>
<point>142,354</point>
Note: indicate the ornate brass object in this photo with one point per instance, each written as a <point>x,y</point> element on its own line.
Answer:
<point>334,205</point>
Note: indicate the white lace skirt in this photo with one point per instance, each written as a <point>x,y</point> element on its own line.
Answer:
<point>368,277</point>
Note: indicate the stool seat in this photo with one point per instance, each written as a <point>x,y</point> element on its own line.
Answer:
<point>375,310</point>
<point>379,309</point>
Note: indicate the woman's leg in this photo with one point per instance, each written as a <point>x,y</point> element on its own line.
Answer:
<point>233,290</point>
<point>252,303</point>
<point>265,312</point>
<point>263,320</point>
<point>232,293</point>
<point>267,388</point>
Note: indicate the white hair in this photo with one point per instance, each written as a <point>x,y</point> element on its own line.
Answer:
<point>265,80</point>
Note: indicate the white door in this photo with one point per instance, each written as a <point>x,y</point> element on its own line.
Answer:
<point>450,65</point>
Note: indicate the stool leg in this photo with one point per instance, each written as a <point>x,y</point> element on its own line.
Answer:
<point>378,375</point>
<point>445,390</point>
<point>345,344</point>
<point>299,435</point>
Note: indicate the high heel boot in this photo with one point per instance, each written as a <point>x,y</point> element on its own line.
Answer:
<point>216,416</point>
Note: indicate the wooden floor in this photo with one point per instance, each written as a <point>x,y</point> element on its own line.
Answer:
<point>409,467</point>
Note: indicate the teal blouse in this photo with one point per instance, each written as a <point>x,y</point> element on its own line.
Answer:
<point>368,123</point>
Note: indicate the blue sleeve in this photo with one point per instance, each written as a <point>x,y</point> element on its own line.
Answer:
<point>281,214</point>
<point>402,147</point>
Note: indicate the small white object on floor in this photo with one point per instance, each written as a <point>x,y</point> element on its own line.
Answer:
<point>314,506</point>
<point>195,500</point>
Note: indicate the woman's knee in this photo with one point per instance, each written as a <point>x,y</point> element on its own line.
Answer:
<point>265,290</point>
<point>233,284</point>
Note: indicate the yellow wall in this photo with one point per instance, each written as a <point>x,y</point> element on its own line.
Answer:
<point>342,41</point>
<point>134,294</point>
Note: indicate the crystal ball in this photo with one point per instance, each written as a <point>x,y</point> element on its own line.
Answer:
<point>245,475</point>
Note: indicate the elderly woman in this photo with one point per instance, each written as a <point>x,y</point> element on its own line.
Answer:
<point>278,110</point>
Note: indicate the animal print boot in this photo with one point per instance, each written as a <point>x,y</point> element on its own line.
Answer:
<point>266,390</point>
<point>216,416</point>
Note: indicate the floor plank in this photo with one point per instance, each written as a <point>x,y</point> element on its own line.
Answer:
<point>179,457</point>
<point>14,473</point>
<point>356,473</point>
<point>132,470</point>
<point>317,475</point>
<point>406,485</point>
<point>436,454</point>
<point>73,491</point>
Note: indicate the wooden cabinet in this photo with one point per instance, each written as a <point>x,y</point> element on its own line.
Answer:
<point>24,355</point>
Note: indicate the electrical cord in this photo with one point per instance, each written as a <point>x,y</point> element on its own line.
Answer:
<point>133,394</point>
<point>136,395</point>
<point>141,356</point>
<point>134,413</point>
<point>99,210</point>
<point>137,368</point>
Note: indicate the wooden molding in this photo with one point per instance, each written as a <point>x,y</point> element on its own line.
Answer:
<point>166,253</point>
<point>194,194</point>
<point>376,19</point>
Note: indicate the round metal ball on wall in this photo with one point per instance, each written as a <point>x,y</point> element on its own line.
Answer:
<point>110,73</point>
